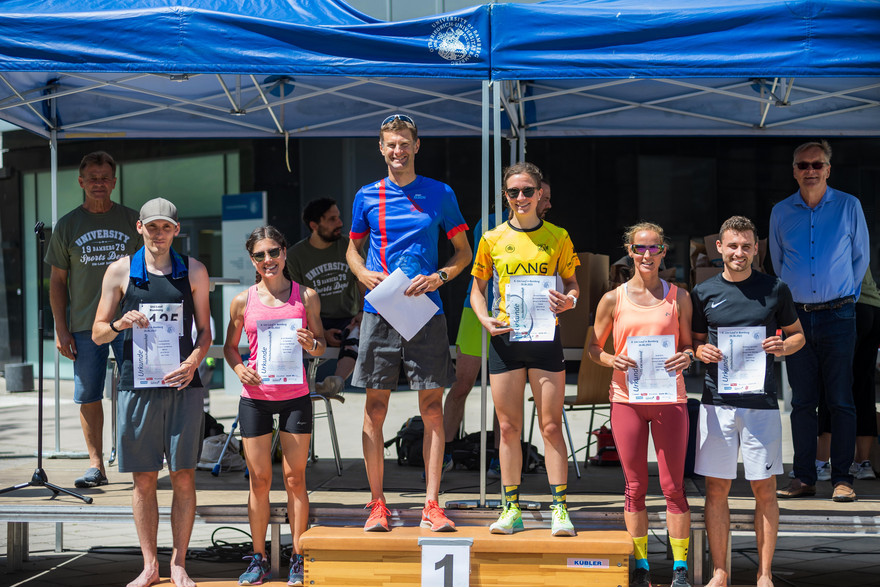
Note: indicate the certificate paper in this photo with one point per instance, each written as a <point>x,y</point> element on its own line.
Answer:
<point>407,314</point>
<point>155,353</point>
<point>279,354</point>
<point>527,302</point>
<point>744,365</point>
<point>650,382</point>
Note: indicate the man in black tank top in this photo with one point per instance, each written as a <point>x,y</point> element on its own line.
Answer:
<point>158,288</point>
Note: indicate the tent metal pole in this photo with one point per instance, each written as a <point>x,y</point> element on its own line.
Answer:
<point>484,351</point>
<point>53,156</point>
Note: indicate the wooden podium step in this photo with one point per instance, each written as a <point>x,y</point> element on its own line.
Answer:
<point>348,556</point>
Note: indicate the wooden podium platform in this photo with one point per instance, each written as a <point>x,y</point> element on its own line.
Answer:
<point>349,556</point>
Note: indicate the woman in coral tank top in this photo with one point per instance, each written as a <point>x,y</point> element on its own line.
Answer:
<point>647,306</point>
<point>279,317</point>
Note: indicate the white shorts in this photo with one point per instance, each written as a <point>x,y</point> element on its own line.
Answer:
<point>724,430</point>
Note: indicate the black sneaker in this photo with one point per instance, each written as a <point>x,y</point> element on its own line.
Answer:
<point>640,578</point>
<point>93,477</point>
<point>680,577</point>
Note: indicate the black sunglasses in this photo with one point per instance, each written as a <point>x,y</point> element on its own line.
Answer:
<point>642,249</point>
<point>261,256</point>
<point>513,193</point>
<point>401,117</point>
<point>802,165</point>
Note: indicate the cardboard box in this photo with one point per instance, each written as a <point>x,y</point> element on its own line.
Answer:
<point>703,273</point>
<point>592,278</point>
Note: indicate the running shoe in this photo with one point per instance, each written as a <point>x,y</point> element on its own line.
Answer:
<point>562,525</point>
<point>257,571</point>
<point>823,472</point>
<point>509,521</point>
<point>862,470</point>
<point>296,570</point>
<point>434,518</point>
<point>640,578</point>
<point>378,520</point>
<point>93,477</point>
<point>448,465</point>
<point>680,577</point>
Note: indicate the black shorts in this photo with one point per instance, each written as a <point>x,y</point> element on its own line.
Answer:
<point>256,416</point>
<point>507,356</point>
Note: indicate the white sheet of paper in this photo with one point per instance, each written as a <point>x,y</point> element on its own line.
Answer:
<point>164,314</point>
<point>407,314</point>
<point>155,353</point>
<point>528,308</point>
<point>745,362</point>
<point>650,382</point>
<point>279,354</point>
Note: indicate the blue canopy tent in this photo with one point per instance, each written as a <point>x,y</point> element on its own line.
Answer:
<point>690,67</point>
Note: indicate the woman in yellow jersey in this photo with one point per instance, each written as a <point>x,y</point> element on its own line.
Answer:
<point>649,316</point>
<point>511,256</point>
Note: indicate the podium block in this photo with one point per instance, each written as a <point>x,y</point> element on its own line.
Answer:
<point>349,556</point>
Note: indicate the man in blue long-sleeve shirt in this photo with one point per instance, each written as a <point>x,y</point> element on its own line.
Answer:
<point>819,247</point>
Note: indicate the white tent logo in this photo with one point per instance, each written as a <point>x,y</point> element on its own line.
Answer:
<point>454,39</point>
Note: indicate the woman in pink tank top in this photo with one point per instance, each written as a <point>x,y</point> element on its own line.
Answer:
<point>647,306</point>
<point>280,318</point>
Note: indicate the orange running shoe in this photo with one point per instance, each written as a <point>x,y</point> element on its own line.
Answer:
<point>378,520</point>
<point>434,518</point>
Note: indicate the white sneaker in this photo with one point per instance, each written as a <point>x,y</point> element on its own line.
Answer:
<point>331,386</point>
<point>823,472</point>
<point>862,470</point>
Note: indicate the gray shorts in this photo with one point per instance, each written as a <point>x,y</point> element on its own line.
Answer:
<point>153,424</point>
<point>425,357</point>
<point>726,430</point>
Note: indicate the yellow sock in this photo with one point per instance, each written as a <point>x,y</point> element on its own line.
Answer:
<point>640,548</point>
<point>679,551</point>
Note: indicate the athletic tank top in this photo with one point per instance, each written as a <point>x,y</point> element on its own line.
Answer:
<point>631,319</point>
<point>160,289</point>
<point>256,310</point>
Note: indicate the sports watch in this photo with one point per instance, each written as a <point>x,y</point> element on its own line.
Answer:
<point>444,277</point>
<point>574,301</point>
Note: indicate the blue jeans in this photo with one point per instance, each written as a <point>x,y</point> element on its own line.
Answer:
<point>90,366</point>
<point>825,361</point>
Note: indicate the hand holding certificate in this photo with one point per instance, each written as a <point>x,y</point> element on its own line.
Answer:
<point>744,364</point>
<point>528,307</point>
<point>156,348</point>
<point>407,314</point>
<point>649,381</point>
<point>279,354</point>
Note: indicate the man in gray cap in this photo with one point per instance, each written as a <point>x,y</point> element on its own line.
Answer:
<point>162,294</point>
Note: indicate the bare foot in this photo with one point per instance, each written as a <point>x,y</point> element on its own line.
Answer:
<point>146,578</point>
<point>765,581</point>
<point>180,578</point>
<point>719,579</point>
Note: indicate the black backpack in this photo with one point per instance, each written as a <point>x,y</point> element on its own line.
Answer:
<point>409,442</point>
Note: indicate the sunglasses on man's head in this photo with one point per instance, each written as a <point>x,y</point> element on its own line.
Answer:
<point>642,249</point>
<point>802,165</point>
<point>401,117</point>
<point>513,193</point>
<point>261,256</point>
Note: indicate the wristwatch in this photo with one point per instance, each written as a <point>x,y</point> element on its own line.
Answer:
<point>574,301</point>
<point>444,277</point>
<point>691,356</point>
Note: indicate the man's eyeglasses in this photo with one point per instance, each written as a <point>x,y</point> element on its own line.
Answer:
<point>401,117</point>
<point>261,256</point>
<point>642,249</point>
<point>513,193</point>
<point>802,165</point>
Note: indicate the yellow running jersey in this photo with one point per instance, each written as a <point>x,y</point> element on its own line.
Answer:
<point>505,251</point>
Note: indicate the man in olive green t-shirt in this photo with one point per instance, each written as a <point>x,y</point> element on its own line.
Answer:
<point>83,243</point>
<point>319,262</point>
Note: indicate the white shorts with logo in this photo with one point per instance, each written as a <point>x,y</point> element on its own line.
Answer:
<point>726,430</point>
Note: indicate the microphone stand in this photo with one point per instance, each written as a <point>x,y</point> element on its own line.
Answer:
<point>40,479</point>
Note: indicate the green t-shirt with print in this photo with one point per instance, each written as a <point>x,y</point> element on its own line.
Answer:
<point>326,272</point>
<point>83,244</point>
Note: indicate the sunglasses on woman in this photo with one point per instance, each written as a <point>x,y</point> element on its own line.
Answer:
<point>642,249</point>
<point>513,193</point>
<point>261,256</point>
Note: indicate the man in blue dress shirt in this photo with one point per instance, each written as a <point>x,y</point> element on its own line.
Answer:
<point>819,247</point>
